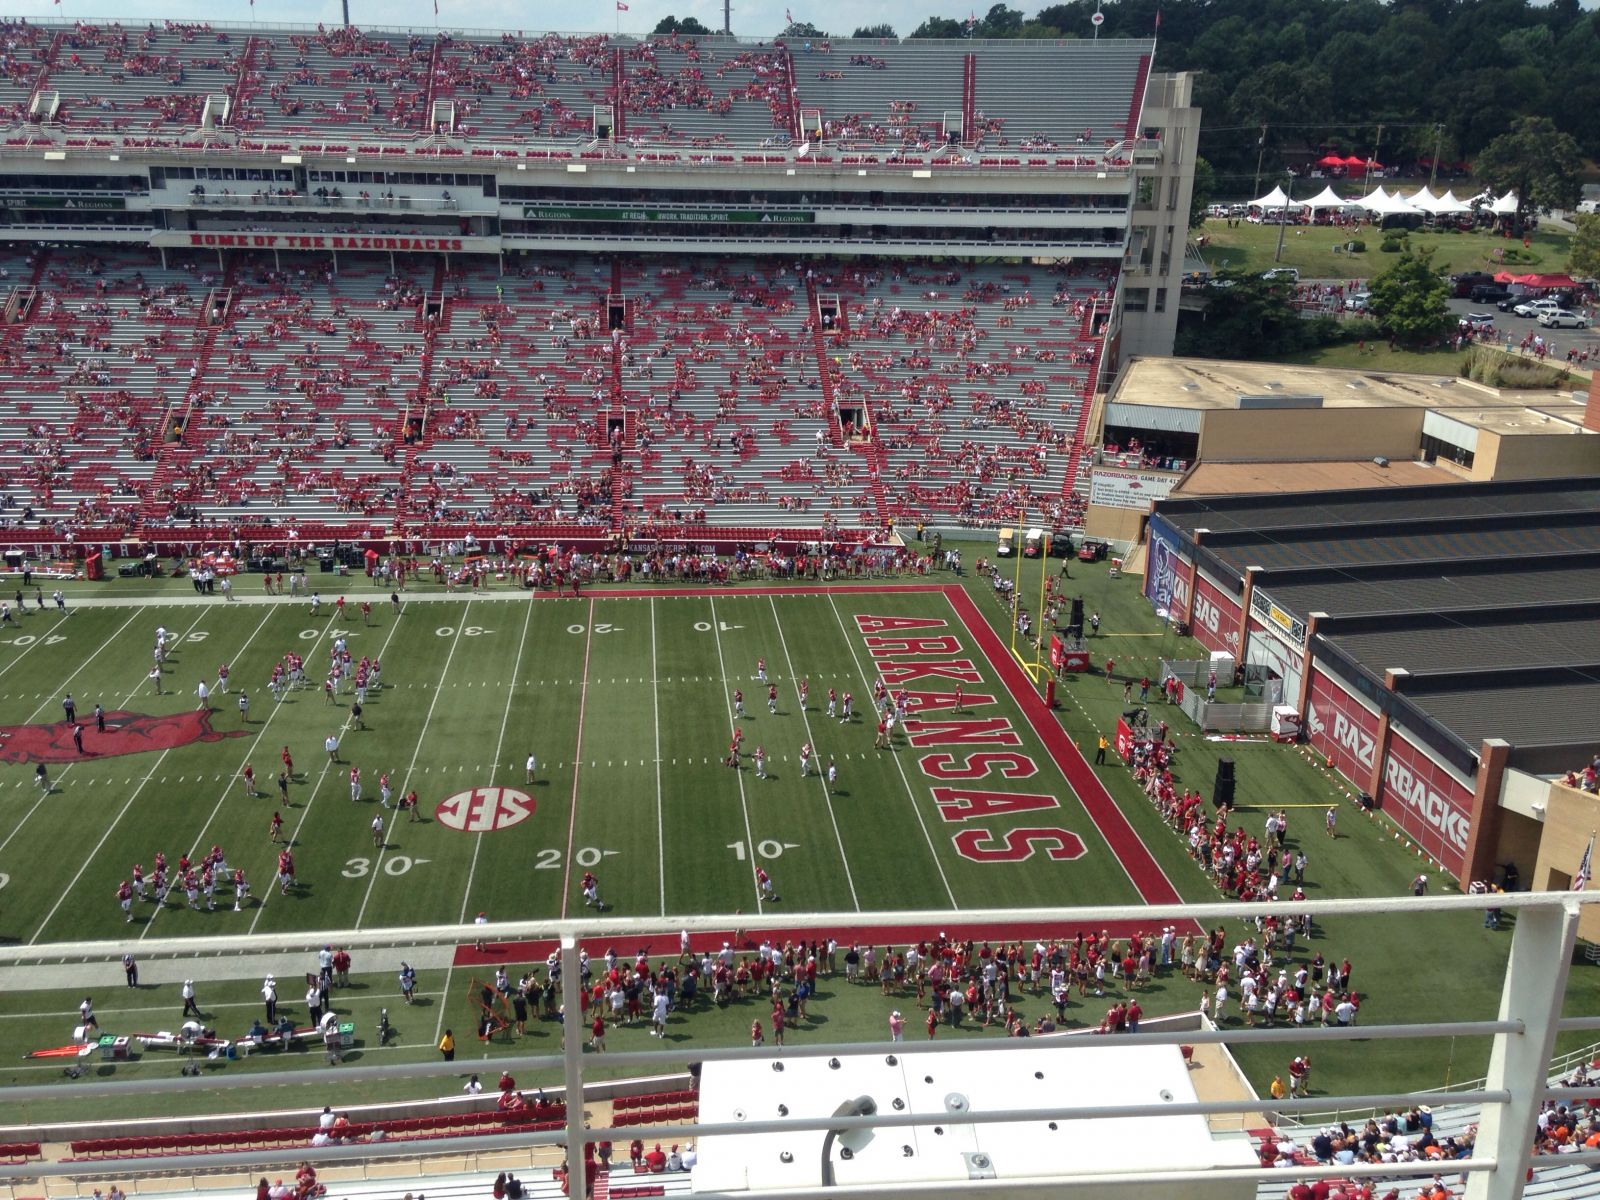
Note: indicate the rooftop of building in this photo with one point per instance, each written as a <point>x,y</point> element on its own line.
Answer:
<point>1241,478</point>
<point>1219,384</point>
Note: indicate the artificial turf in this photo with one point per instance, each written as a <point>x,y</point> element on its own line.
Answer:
<point>472,685</point>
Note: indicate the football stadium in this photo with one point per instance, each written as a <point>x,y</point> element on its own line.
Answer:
<point>552,628</point>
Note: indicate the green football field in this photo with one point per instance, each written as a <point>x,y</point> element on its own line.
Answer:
<point>627,703</point>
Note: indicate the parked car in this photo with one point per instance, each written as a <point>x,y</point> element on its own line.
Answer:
<point>1462,284</point>
<point>1478,321</point>
<point>1534,308</point>
<point>1563,318</point>
<point>1287,274</point>
<point>1489,293</point>
<point>1357,301</point>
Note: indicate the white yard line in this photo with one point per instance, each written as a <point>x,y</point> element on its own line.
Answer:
<point>577,762</point>
<point>228,785</point>
<point>117,820</point>
<point>416,753</point>
<point>655,697</point>
<point>727,700</point>
<point>499,745</point>
<point>39,640</point>
<point>127,700</point>
<point>822,779</point>
<point>294,834</point>
<point>911,793</point>
<point>82,667</point>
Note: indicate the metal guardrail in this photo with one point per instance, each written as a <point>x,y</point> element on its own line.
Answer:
<point>1523,1035</point>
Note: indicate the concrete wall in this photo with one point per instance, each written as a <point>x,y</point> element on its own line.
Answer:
<point>1315,433</point>
<point>1113,524</point>
<point>1535,456</point>
<point>1162,224</point>
<point>1570,818</point>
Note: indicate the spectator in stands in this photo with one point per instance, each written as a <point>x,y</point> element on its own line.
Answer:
<point>655,1162</point>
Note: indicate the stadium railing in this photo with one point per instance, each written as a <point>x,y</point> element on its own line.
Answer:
<point>1523,1034</point>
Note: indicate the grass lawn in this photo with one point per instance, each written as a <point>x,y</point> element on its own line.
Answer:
<point>1378,356</point>
<point>1252,248</point>
<point>627,703</point>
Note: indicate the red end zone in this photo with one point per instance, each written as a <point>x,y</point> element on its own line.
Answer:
<point>1148,878</point>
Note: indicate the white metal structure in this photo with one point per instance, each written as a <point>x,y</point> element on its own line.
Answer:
<point>1523,1036</point>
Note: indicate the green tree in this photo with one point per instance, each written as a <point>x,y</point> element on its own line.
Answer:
<point>999,22</point>
<point>1583,259</point>
<point>801,30</point>
<point>1244,314</point>
<point>939,27</point>
<point>1205,184</point>
<point>1537,161</point>
<point>671,24</point>
<point>875,31</point>
<point>1411,301</point>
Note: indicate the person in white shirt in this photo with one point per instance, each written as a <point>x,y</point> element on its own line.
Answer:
<point>325,1121</point>
<point>532,767</point>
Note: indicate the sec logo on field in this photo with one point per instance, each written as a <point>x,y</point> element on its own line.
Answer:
<point>485,809</point>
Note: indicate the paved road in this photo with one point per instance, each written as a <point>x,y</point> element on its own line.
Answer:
<point>1509,324</point>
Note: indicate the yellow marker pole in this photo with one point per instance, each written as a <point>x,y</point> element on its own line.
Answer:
<point>1016,582</point>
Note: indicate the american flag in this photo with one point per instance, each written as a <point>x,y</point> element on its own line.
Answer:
<point>788,17</point>
<point>1580,881</point>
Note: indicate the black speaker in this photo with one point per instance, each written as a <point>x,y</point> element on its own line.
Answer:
<point>1077,611</point>
<point>1222,796</point>
<point>1224,770</point>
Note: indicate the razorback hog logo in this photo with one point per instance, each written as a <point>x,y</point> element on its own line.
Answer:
<point>126,733</point>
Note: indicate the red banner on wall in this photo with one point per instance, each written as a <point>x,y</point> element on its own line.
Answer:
<point>1341,728</point>
<point>1428,803</point>
<point>1214,617</point>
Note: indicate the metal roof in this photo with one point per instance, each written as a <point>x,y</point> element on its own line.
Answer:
<point>1432,586</point>
<point>1488,595</point>
<point>1557,710</point>
<point>1312,510</point>
<point>1495,639</point>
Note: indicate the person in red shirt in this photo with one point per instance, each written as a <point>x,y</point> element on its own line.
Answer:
<point>655,1162</point>
<point>597,1033</point>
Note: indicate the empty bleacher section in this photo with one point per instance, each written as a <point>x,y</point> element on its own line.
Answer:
<point>134,81</point>
<point>637,395</point>
<point>378,91</point>
<point>1057,99</point>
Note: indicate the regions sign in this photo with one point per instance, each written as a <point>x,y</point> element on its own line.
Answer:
<point>125,733</point>
<point>485,809</point>
<point>1113,487</point>
<point>687,215</point>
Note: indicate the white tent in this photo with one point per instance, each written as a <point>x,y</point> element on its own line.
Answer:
<point>1275,199</point>
<point>1373,200</point>
<point>1390,206</point>
<point>1447,205</point>
<point>1505,206</point>
<point>1327,198</point>
<point>1423,200</point>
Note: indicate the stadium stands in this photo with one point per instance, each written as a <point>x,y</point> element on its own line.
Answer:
<point>279,391</point>
<point>1068,103</point>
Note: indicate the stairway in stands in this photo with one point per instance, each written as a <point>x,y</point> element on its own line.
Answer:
<point>622,466</point>
<point>175,455</point>
<point>418,404</point>
<point>871,453</point>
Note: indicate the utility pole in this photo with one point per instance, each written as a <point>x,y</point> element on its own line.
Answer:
<point>1438,145</point>
<point>1374,156</point>
<point>1283,219</point>
<point>727,17</point>
<point>346,5</point>
<point>1261,142</point>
